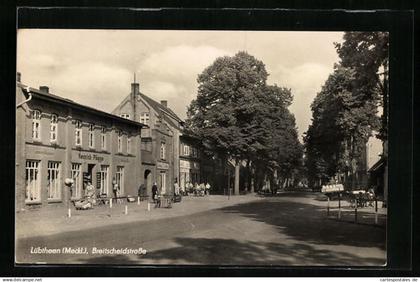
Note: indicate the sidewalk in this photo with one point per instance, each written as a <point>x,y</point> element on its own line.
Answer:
<point>54,220</point>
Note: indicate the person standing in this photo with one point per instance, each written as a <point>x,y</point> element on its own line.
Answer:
<point>154,192</point>
<point>176,188</point>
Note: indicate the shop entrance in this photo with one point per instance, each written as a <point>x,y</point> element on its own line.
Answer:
<point>89,174</point>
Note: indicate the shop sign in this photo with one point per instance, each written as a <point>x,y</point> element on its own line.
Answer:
<point>185,164</point>
<point>91,157</point>
<point>161,165</point>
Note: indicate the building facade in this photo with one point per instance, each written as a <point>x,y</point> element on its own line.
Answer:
<point>57,138</point>
<point>159,140</point>
<point>189,161</point>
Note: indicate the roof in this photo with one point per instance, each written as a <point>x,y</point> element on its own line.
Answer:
<point>57,99</point>
<point>159,107</point>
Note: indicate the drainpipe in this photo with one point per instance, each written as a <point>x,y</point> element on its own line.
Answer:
<point>27,100</point>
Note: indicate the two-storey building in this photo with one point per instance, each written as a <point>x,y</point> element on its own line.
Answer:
<point>57,138</point>
<point>159,140</point>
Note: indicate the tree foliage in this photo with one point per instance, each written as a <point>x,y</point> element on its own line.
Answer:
<point>345,111</point>
<point>368,54</point>
<point>236,114</point>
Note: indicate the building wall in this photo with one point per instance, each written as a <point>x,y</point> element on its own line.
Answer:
<point>158,131</point>
<point>67,153</point>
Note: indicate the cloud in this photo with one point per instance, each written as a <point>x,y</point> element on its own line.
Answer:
<point>171,74</point>
<point>181,61</point>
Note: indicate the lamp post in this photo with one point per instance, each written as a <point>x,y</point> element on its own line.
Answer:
<point>69,183</point>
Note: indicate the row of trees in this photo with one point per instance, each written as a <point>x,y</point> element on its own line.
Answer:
<point>242,119</point>
<point>345,111</point>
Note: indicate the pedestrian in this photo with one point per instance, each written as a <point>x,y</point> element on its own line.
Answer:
<point>208,188</point>
<point>90,193</point>
<point>115,188</point>
<point>176,188</point>
<point>154,192</point>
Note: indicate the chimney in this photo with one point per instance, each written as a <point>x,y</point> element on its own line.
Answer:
<point>18,77</point>
<point>44,89</point>
<point>164,103</point>
<point>135,88</point>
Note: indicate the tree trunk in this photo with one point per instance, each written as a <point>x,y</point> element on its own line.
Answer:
<point>237,169</point>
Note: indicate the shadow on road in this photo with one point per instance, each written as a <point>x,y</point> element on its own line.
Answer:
<point>233,252</point>
<point>309,224</point>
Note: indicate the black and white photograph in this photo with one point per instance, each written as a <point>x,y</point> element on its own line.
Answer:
<point>201,147</point>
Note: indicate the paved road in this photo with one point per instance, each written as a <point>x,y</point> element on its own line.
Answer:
<point>286,230</point>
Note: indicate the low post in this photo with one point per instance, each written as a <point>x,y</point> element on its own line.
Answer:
<point>110,203</point>
<point>339,205</point>
<point>328,206</point>
<point>376,210</point>
<point>138,200</point>
<point>126,209</point>
<point>148,206</point>
<point>355,210</point>
<point>69,212</point>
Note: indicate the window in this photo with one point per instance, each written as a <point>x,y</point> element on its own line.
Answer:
<point>76,175</point>
<point>163,181</point>
<point>127,116</point>
<point>104,179</point>
<point>103,138</point>
<point>36,125</point>
<point>128,145</point>
<point>120,179</point>
<point>162,151</point>
<point>53,128</point>
<point>91,135</point>
<point>119,141</point>
<point>144,118</point>
<point>33,183</point>
<point>78,133</point>
<point>54,181</point>
<point>186,150</point>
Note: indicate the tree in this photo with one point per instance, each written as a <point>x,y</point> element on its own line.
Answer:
<point>342,122</point>
<point>223,111</point>
<point>239,117</point>
<point>367,53</point>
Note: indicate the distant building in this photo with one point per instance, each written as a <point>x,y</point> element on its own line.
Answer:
<point>57,138</point>
<point>159,141</point>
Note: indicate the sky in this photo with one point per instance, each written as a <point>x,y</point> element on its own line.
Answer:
<point>96,67</point>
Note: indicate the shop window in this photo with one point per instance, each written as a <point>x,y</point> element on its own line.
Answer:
<point>54,181</point>
<point>78,133</point>
<point>144,118</point>
<point>36,125</point>
<point>76,175</point>
<point>162,151</point>
<point>33,181</point>
<point>103,138</point>
<point>128,145</point>
<point>53,128</point>
<point>127,116</point>
<point>120,179</point>
<point>91,136</point>
<point>104,179</point>
<point>119,142</point>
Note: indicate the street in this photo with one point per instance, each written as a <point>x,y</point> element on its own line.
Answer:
<point>291,229</point>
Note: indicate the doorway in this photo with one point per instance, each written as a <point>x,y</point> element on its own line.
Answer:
<point>148,181</point>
